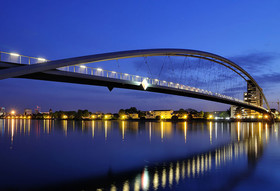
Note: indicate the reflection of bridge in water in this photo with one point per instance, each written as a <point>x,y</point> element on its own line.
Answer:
<point>170,174</point>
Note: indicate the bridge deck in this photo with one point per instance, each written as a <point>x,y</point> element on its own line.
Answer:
<point>80,78</point>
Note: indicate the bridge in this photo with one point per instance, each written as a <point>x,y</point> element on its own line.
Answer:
<point>74,70</point>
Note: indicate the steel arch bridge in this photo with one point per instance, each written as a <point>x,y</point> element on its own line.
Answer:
<point>51,71</point>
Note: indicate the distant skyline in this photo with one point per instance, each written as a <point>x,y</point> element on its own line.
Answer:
<point>246,32</point>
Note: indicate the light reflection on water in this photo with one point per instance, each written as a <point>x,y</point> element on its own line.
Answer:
<point>218,151</point>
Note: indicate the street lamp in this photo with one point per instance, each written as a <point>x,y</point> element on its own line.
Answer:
<point>14,54</point>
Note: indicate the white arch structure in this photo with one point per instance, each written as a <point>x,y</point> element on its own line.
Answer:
<point>50,65</point>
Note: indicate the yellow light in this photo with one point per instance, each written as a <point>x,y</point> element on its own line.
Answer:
<point>41,59</point>
<point>14,54</point>
<point>185,116</point>
<point>238,116</point>
<point>92,116</point>
<point>13,112</point>
<point>29,117</point>
<point>266,116</point>
<point>210,116</point>
<point>252,117</point>
<point>64,116</point>
<point>123,116</point>
<point>9,117</point>
<point>259,116</point>
<point>162,117</point>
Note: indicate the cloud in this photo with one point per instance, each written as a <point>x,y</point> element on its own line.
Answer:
<point>255,62</point>
<point>269,79</point>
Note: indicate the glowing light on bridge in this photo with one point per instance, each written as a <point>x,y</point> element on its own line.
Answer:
<point>82,66</point>
<point>14,54</point>
<point>99,69</point>
<point>145,84</point>
<point>41,59</point>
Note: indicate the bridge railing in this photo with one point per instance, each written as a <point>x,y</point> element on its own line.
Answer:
<point>21,59</point>
<point>139,79</point>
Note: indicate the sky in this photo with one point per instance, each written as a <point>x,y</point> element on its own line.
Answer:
<point>247,32</point>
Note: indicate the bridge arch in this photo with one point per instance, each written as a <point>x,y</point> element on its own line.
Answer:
<point>23,70</point>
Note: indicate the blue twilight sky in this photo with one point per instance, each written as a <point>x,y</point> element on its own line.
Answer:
<point>248,32</point>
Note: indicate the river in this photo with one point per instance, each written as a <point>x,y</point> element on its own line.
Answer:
<point>134,155</point>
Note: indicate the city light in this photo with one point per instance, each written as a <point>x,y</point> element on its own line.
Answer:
<point>210,117</point>
<point>238,116</point>
<point>13,112</point>
<point>266,116</point>
<point>82,66</point>
<point>113,72</point>
<point>14,54</point>
<point>185,116</point>
<point>99,69</point>
<point>64,116</point>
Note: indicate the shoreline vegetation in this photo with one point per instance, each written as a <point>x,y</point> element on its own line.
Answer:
<point>132,114</point>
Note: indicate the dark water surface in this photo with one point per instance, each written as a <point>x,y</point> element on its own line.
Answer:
<point>129,155</point>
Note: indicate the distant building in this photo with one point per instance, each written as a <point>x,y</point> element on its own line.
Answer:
<point>96,115</point>
<point>236,111</point>
<point>108,116</point>
<point>252,96</point>
<point>220,115</point>
<point>2,111</point>
<point>134,115</point>
<point>37,110</point>
<point>163,114</point>
<point>27,111</point>
<point>124,116</point>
